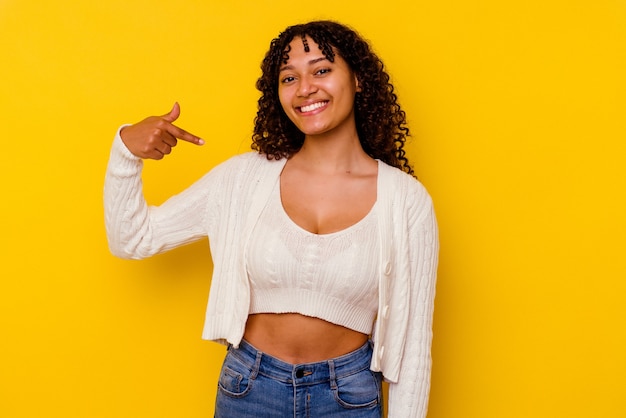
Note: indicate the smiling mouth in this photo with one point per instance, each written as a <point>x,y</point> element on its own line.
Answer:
<point>312,107</point>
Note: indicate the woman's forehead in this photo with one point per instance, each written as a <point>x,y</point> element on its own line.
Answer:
<point>305,43</point>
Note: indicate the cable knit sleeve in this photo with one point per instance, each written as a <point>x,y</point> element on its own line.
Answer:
<point>408,398</point>
<point>135,229</point>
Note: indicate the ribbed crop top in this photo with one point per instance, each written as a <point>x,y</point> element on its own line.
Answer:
<point>329,276</point>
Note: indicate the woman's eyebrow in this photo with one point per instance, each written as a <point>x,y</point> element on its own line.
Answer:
<point>311,62</point>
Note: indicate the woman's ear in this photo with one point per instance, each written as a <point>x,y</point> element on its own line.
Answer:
<point>358,85</point>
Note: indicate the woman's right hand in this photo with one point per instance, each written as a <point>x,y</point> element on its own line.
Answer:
<point>155,136</point>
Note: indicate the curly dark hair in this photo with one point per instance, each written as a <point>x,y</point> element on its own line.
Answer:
<point>381,123</point>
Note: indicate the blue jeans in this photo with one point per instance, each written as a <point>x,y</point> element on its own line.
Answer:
<point>254,384</point>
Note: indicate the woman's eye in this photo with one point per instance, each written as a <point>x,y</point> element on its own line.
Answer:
<point>287,79</point>
<point>323,71</point>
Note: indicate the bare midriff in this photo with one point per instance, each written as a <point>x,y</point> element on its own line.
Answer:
<point>296,338</point>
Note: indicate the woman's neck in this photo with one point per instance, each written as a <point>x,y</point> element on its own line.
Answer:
<point>333,154</point>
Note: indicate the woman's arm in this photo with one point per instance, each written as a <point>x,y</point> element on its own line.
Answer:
<point>408,398</point>
<point>134,229</point>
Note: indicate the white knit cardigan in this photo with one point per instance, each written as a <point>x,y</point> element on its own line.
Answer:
<point>225,204</point>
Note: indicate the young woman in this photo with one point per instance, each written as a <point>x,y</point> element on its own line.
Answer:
<point>324,245</point>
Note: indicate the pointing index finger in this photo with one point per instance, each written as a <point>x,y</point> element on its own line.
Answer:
<point>184,135</point>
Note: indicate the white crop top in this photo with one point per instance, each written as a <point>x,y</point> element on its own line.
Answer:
<point>330,276</point>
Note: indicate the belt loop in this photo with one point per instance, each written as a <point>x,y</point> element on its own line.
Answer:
<point>257,365</point>
<point>331,372</point>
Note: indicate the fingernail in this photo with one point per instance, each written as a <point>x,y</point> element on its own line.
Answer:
<point>200,141</point>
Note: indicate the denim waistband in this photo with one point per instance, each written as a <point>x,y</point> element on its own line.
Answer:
<point>305,373</point>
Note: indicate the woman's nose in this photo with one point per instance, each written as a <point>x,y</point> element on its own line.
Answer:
<point>306,87</point>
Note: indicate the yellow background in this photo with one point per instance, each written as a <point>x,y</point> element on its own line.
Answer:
<point>518,115</point>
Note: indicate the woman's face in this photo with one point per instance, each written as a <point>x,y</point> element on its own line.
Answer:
<point>317,95</point>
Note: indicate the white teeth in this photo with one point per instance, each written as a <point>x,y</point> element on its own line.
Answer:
<point>312,107</point>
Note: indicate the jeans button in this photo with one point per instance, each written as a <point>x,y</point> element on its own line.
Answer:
<point>299,373</point>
